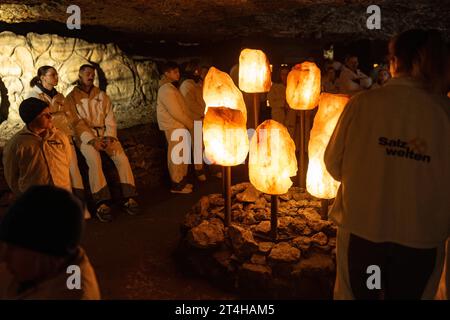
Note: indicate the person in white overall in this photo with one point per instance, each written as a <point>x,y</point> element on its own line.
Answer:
<point>98,132</point>
<point>173,119</point>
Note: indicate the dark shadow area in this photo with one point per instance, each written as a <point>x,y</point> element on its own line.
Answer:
<point>132,43</point>
<point>102,81</point>
<point>4,102</point>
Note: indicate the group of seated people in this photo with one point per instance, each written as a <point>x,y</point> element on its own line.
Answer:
<point>43,152</point>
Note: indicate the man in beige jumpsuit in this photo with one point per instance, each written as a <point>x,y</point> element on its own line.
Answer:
<point>98,132</point>
<point>172,115</point>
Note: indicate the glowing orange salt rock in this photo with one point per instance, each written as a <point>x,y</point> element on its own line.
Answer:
<point>225,136</point>
<point>319,182</point>
<point>272,158</point>
<point>254,71</point>
<point>219,91</point>
<point>303,86</point>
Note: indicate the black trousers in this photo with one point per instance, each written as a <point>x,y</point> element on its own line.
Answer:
<point>404,270</point>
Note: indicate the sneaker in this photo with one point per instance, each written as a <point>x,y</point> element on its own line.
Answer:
<point>219,175</point>
<point>189,185</point>
<point>181,189</point>
<point>103,213</point>
<point>131,207</point>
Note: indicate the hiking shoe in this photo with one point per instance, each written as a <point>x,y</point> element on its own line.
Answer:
<point>131,207</point>
<point>103,213</point>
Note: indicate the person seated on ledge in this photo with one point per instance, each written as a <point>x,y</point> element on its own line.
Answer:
<point>43,87</point>
<point>98,132</point>
<point>39,154</point>
<point>40,235</point>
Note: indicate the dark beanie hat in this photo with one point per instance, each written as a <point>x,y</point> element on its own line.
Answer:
<point>30,108</point>
<point>45,219</point>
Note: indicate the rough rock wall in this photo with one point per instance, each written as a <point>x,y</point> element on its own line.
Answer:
<point>132,85</point>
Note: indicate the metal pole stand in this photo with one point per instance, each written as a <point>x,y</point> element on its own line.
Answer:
<point>273,217</point>
<point>324,208</point>
<point>302,152</point>
<point>256,109</point>
<point>226,179</point>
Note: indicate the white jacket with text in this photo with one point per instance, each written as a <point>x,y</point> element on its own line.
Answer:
<point>391,152</point>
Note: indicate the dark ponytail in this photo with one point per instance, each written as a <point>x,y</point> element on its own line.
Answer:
<point>34,81</point>
<point>41,72</point>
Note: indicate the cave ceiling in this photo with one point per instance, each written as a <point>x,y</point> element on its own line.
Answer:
<point>191,21</point>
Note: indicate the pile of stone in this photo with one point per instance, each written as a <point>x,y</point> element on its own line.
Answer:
<point>299,264</point>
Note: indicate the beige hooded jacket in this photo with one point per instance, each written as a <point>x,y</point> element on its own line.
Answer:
<point>171,109</point>
<point>29,159</point>
<point>193,96</point>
